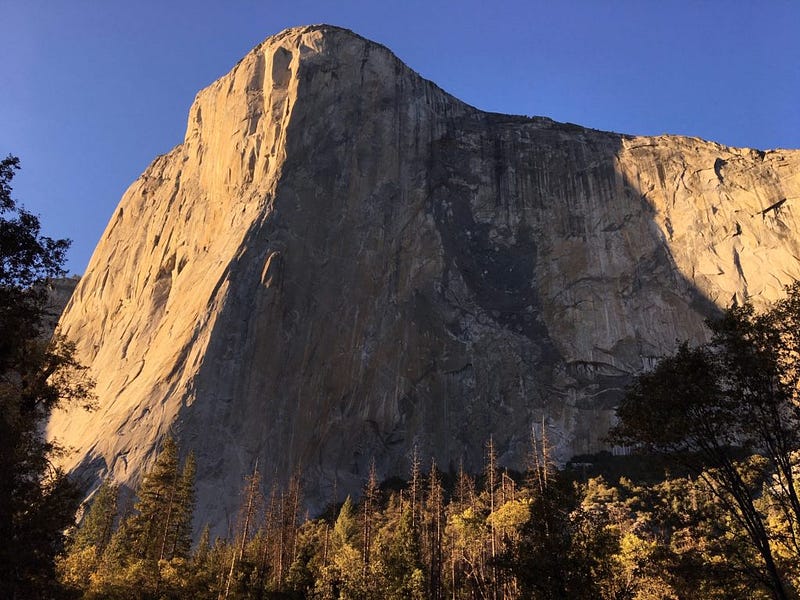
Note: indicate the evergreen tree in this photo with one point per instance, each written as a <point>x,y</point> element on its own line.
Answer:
<point>157,502</point>
<point>342,572</point>
<point>180,534</point>
<point>306,569</point>
<point>345,530</point>
<point>149,552</point>
<point>402,561</point>
<point>546,558</point>
<point>90,539</point>
<point>434,527</point>
<point>98,523</point>
<point>202,577</point>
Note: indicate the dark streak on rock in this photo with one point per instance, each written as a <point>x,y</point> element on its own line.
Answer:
<point>718,164</point>
<point>776,207</point>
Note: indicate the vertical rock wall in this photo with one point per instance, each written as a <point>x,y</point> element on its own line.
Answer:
<point>341,261</point>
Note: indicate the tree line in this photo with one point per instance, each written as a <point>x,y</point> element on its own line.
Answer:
<point>545,534</point>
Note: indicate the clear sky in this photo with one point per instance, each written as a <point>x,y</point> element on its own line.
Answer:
<point>92,91</point>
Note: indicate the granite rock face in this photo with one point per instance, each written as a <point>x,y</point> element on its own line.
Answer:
<point>59,291</point>
<point>341,260</point>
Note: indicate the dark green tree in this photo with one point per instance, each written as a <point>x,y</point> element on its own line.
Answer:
<point>98,524</point>
<point>88,543</point>
<point>710,406</point>
<point>345,530</point>
<point>548,558</point>
<point>401,556</point>
<point>179,535</point>
<point>305,571</point>
<point>37,501</point>
<point>150,551</point>
<point>161,525</point>
<point>203,572</point>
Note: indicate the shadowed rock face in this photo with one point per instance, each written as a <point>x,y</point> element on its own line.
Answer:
<point>341,261</point>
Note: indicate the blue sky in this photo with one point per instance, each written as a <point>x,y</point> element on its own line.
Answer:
<point>91,92</point>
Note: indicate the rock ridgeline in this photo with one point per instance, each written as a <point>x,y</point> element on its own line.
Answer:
<point>341,261</point>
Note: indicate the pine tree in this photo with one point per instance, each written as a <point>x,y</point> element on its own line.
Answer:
<point>181,529</point>
<point>98,524</point>
<point>149,551</point>
<point>402,560</point>
<point>203,569</point>
<point>156,505</point>
<point>342,571</point>
<point>89,541</point>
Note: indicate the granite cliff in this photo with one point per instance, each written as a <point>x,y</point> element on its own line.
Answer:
<point>341,260</point>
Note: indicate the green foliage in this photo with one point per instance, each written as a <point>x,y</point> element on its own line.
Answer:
<point>400,557</point>
<point>154,524</point>
<point>180,536</point>
<point>547,560</point>
<point>306,569</point>
<point>37,501</point>
<point>712,406</point>
<point>149,553</point>
<point>98,524</point>
<point>89,542</point>
<point>342,574</point>
<point>595,540</point>
<point>346,529</point>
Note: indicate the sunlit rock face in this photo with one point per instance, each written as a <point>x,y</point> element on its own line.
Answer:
<point>341,261</point>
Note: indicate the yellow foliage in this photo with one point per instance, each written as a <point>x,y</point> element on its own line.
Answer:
<point>76,568</point>
<point>511,515</point>
<point>174,573</point>
<point>634,551</point>
<point>466,527</point>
